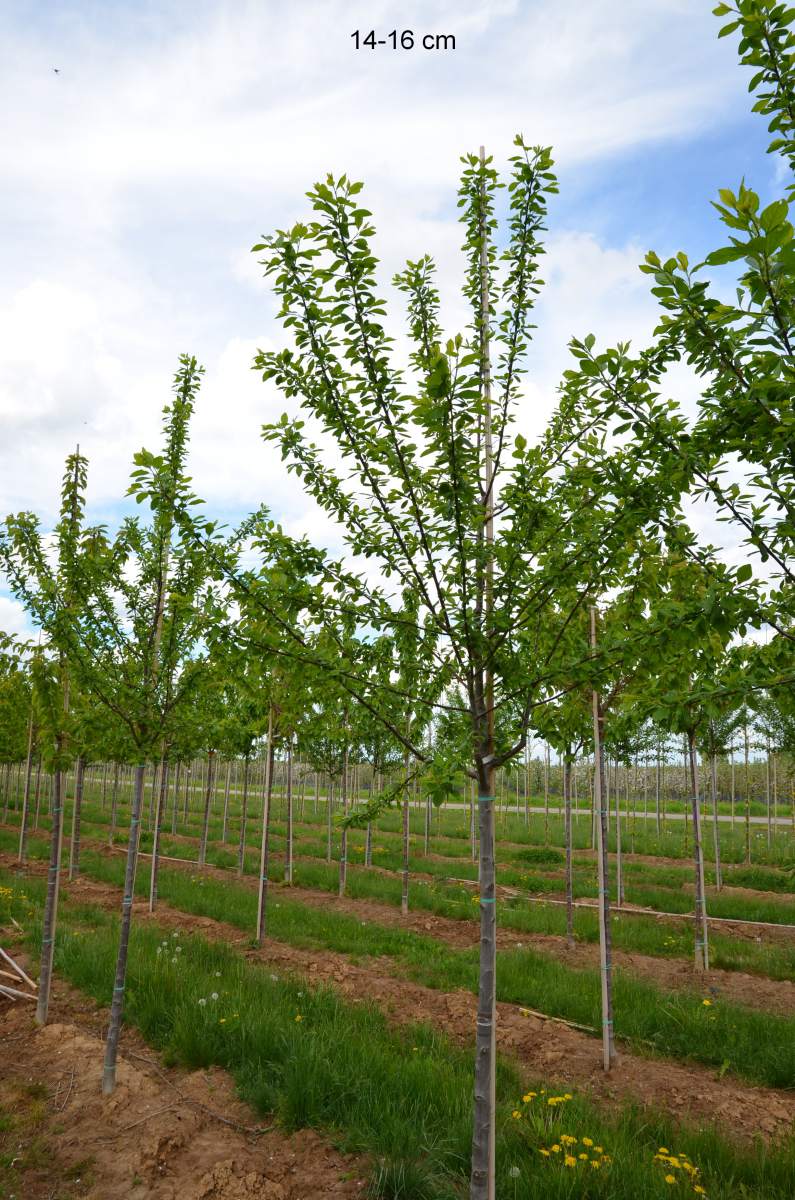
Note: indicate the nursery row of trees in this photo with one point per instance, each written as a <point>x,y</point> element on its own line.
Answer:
<point>553,590</point>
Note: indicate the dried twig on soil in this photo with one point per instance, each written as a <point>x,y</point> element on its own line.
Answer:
<point>533,1012</point>
<point>126,1129</point>
<point>62,1106</point>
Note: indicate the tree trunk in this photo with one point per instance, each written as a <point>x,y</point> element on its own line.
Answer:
<point>567,831</point>
<point>51,901</point>
<point>37,795</point>
<point>701,929</point>
<point>288,858</point>
<point>546,794</point>
<point>344,831</point>
<point>77,808</point>
<point>482,1179</point>
<point>208,796</point>
<point>329,805</point>
<point>23,826</point>
<point>404,897</point>
<point>241,845</point>
<point>262,898</point>
<point>747,802</point>
<point>227,785</point>
<point>731,765</point>
<point>605,940</point>
<point>767,799</point>
<point>716,824</point>
<point>159,811</point>
<point>117,1003</point>
<point>114,804</point>
<point>619,873</point>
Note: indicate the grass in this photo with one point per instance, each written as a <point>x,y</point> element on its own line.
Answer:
<point>758,1046</point>
<point>402,1097</point>
<point>635,934</point>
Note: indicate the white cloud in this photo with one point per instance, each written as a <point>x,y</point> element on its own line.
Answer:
<point>13,619</point>
<point>137,178</point>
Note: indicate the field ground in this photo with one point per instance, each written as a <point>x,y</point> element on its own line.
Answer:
<point>354,1025</point>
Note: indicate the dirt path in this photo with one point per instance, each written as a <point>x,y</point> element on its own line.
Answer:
<point>543,1049</point>
<point>155,1137</point>
<point>757,991</point>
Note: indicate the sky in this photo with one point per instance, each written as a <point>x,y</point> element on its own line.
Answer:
<point>148,146</point>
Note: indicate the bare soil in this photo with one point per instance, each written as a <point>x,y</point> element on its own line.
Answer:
<point>756,991</point>
<point>543,1049</point>
<point>168,1135</point>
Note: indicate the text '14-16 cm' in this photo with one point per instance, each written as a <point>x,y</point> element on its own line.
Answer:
<point>405,40</point>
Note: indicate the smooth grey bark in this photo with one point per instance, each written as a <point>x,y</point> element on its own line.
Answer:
<point>37,795</point>
<point>77,812</point>
<point>114,803</point>
<point>701,927</point>
<point>288,860</point>
<point>117,1003</point>
<point>716,823</point>
<point>567,833</point>
<point>208,796</point>
<point>483,1136</point>
<point>175,798</point>
<point>159,811</point>
<point>747,801</point>
<point>619,873</point>
<point>51,901</point>
<point>343,876</point>
<point>262,897</point>
<point>227,785</point>
<point>483,1173</point>
<point>605,939</point>
<point>767,798</point>
<point>404,895</point>
<point>23,826</point>
<point>241,845</point>
<point>329,807</point>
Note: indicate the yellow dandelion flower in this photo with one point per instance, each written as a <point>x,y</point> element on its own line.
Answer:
<point>707,1003</point>
<point>595,1164</point>
<point>298,1017</point>
<point>516,1114</point>
<point>545,1153</point>
<point>556,1149</point>
<point>528,1096</point>
<point>222,1021</point>
<point>670,1179</point>
<point>570,1161</point>
<point>699,1190</point>
<point>663,1150</point>
<point>598,1149</point>
<point>587,1142</point>
<point>584,1157</point>
<point>567,1139</point>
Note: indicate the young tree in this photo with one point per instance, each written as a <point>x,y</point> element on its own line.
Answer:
<point>126,617</point>
<point>487,532</point>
